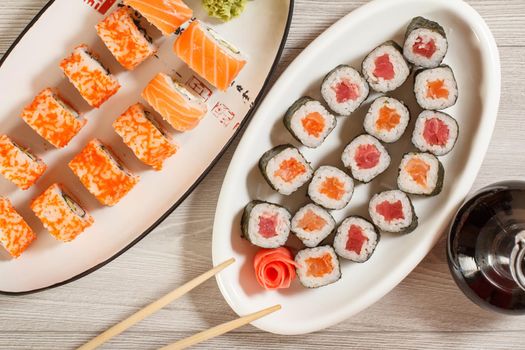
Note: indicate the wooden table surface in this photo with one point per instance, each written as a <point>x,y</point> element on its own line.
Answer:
<point>425,311</point>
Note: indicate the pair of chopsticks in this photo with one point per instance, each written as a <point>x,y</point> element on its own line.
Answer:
<point>168,298</point>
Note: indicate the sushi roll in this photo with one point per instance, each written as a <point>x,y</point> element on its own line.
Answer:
<point>387,119</point>
<point>94,82</point>
<point>166,15</point>
<point>344,90</point>
<point>265,225</point>
<point>122,35</point>
<point>425,43</point>
<point>366,158</point>
<point>318,266</point>
<point>285,169</point>
<point>435,132</point>
<point>420,173</point>
<point>356,239</point>
<point>436,88</point>
<point>385,68</point>
<point>53,118</point>
<point>331,188</point>
<point>311,224</point>
<point>209,55</point>
<point>18,164</point>
<point>143,135</point>
<point>61,214</point>
<point>392,211</point>
<point>15,233</point>
<point>309,122</point>
<point>182,109</point>
<point>102,173</point>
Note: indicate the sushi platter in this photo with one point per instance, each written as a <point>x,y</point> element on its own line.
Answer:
<point>112,112</point>
<point>356,161</point>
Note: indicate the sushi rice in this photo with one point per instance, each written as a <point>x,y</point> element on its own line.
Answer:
<point>366,158</point>
<point>387,119</point>
<point>385,68</point>
<point>420,173</point>
<point>436,88</point>
<point>331,188</point>
<point>392,211</point>
<point>266,225</point>
<point>425,43</point>
<point>356,239</point>
<point>311,224</point>
<point>435,132</point>
<point>318,266</point>
<point>344,90</point>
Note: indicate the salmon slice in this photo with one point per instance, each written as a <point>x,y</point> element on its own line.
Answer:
<point>333,188</point>
<point>388,119</point>
<point>165,15</point>
<point>313,124</point>
<point>436,89</point>
<point>418,170</point>
<point>179,107</point>
<point>311,221</point>
<point>289,169</point>
<point>319,266</point>
<point>209,56</point>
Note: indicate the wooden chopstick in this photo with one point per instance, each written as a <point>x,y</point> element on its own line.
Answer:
<point>153,307</point>
<point>220,329</point>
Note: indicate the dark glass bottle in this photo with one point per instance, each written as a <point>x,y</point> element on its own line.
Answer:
<point>486,247</point>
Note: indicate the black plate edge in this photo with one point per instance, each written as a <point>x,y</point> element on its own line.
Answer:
<point>239,131</point>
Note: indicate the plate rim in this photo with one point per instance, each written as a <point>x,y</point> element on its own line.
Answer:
<point>492,54</point>
<point>240,130</point>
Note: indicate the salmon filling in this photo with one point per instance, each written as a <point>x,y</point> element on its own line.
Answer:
<point>436,132</point>
<point>424,49</point>
<point>384,68</point>
<point>346,90</point>
<point>311,222</point>
<point>391,210</point>
<point>367,156</point>
<point>319,266</point>
<point>290,169</point>
<point>268,225</point>
<point>333,188</point>
<point>356,239</point>
<point>313,124</point>
<point>436,89</point>
<point>388,119</point>
<point>418,170</point>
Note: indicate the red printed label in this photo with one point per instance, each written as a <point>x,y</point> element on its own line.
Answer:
<point>101,6</point>
<point>223,114</point>
<point>199,87</point>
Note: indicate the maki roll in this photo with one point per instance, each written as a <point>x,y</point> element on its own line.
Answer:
<point>94,82</point>
<point>15,233</point>
<point>285,169</point>
<point>209,55</point>
<point>61,214</point>
<point>392,211</point>
<point>356,239</point>
<point>420,173</point>
<point>309,122</point>
<point>122,35</point>
<point>344,90</point>
<point>331,188</point>
<point>318,266</point>
<point>182,109</point>
<point>311,224</point>
<point>144,136</point>
<point>265,225</point>
<point>387,119</point>
<point>435,132</point>
<point>366,158</point>
<point>18,164</point>
<point>102,173</point>
<point>166,15</point>
<point>53,118</point>
<point>385,68</point>
<point>425,43</point>
<point>436,88</point>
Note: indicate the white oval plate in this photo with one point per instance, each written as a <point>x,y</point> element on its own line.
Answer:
<point>32,64</point>
<point>474,57</point>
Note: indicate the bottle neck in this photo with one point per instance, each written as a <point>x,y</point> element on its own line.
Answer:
<point>517,260</point>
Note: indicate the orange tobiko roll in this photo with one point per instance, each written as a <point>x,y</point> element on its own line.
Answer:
<point>274,268</point>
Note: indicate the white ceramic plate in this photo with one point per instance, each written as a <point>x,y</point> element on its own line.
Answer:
<point>32,65</point>
<point>474,57</point>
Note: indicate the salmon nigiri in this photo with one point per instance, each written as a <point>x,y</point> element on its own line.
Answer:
<point>177,105</point>
<point>210,56</point>
<point>166,15</point>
